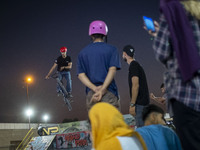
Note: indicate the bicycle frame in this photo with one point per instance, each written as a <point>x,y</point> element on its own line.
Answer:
<point>66,98</point>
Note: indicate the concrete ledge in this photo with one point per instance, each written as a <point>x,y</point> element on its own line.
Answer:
<point>17,126</point>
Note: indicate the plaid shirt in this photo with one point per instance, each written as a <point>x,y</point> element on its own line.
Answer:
<point>187,93</point>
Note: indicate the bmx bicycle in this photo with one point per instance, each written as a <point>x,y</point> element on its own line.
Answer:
<point>66,97</point>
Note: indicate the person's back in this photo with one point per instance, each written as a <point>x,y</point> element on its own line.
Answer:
<point>97,58</point>
<point>97,65</point>
<point>176,45</point>
<point>174,81</point>
<point>128,143</point>
<point>159,137</point>
<point>125,143</point>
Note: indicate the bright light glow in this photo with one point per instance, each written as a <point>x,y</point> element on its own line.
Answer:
<point>45,117</point>
<point>29,112</point>
<point>29,79</point>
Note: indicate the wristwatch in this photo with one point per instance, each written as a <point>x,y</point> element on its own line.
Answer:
<point>132,105</point>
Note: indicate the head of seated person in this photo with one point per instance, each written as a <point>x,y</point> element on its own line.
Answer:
<point>153,114</point>
<point>109,130</point>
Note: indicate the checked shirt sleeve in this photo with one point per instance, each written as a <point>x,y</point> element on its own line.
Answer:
<point>161,42</point>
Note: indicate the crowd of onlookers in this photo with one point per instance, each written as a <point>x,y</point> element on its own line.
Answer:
<point>176,45</point>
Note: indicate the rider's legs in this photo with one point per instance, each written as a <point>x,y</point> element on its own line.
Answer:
<point>67,76</point>
<point>60,77</point>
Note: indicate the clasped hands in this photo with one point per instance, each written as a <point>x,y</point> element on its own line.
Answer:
<point>99,92</point>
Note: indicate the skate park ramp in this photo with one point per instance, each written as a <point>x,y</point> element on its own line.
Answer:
<point>73,135</point>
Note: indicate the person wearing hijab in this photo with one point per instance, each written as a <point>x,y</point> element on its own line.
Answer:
<point>177,46</point>
<point>109,130</point>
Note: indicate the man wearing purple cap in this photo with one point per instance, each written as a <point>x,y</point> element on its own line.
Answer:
<point>96,67</point>
<point>177,46</point>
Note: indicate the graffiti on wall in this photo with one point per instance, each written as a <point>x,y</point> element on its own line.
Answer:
<point>73,140</point>
<point>48,130</point>
<point>40,142</point>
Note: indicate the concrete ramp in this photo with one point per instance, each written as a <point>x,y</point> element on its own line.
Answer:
<point>41,143</point>
<point>73,135</point>
<point>76,141</point>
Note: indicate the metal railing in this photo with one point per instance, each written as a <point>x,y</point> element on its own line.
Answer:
<point>26,140</point>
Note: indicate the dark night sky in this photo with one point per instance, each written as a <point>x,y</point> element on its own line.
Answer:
<point>31,33</point>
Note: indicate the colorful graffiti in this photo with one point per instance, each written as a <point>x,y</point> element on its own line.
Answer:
<point>73,140</point>
<point>40,143</point>
<point>51,130</point>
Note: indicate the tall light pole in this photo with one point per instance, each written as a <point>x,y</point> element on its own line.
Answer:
<point>28,80</point>
<point>29,112</point>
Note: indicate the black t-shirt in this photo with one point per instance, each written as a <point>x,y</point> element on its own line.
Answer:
<point>143,94</point>
<point>60,61</point>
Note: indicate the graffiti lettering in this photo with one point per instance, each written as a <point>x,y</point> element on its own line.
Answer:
<point>72,140</point>
<point>50,130</point>
<point>71,137</point>
<point>81,143</point>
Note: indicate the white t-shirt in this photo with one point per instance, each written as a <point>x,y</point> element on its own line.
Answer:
<point>128,143</point>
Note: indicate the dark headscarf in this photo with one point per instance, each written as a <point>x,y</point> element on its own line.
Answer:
<point>183,40</point>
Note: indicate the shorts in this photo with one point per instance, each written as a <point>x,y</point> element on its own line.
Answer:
<point>109,97</point>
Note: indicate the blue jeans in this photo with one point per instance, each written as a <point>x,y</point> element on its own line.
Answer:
<point>67,76</point>
<point>138,117</point>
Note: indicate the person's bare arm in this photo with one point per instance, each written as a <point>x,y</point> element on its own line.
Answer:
<point>135,89</point>
<point>84,79</point>
<point>69,66</point>
<point>159,99</point>
<point>110,76</point>
<point>51,70</point>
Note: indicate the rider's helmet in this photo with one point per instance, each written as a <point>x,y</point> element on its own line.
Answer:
<point>98,27</point>
<point>63,49</point>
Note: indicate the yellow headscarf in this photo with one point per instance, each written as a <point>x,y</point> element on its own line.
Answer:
<point>107,123</point>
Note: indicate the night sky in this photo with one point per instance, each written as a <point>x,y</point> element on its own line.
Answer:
<point>31,33</point>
